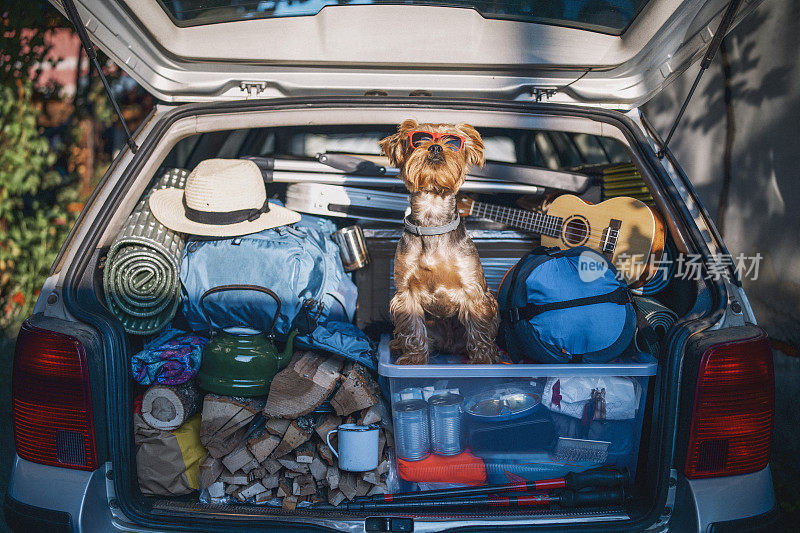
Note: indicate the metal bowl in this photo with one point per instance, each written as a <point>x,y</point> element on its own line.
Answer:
<point>505,402</point>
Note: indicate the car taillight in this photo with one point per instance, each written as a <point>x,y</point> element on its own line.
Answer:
<point>731,428</point>
<point>52,402</point>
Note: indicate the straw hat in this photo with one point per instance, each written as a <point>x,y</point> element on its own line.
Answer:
<point>222,198</point>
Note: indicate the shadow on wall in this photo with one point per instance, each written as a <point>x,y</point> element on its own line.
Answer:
<point>765,185</point>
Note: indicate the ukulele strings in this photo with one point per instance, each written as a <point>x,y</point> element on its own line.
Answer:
<point>591,236</point>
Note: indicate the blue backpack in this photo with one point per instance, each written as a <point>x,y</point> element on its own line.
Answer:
<point>299,263</point>
<point>565,306</point>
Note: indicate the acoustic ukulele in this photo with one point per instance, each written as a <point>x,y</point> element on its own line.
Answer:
<point>625,230</point>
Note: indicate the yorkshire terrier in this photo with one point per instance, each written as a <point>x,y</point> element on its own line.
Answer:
<point>441,300</point>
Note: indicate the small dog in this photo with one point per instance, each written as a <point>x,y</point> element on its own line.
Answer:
<point>441,299</point>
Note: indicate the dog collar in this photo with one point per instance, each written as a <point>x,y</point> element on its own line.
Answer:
<point>431,230</point>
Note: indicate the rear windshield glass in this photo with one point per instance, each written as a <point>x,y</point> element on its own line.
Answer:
<point>605,16</point>
<point>553,150</point>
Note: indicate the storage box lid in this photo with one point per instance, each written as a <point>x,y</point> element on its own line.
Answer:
<point>641,364</point>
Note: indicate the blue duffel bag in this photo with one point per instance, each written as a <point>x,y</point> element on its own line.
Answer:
<point>565,306</point>
<point>298,262</point>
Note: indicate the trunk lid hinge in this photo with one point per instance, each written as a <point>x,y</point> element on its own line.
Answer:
<point>543,93</point>
<point>253,88</point>
<point>713,47</point>
<point>83,35</point>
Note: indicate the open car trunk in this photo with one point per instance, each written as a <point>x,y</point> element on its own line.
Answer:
<point>534,153</point>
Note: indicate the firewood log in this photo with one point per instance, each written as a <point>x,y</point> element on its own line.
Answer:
<point>216,489</point>
<point>330,423</point>
<point>325,453</point>
<point>224,423</point>
<point>294,466</point>
<point>256,473</point>
<point>289,503</point>
<point>335,497</point>
<point>270,481</point>
<point>272,466</point>
<point>305,453</point>
<point>239,459</point>
<point>347,484</point>
<point>168,407</point>
<point>284,488</point>
<point>304,486</point>
<point>236,478</point>
<point>371,477</point>
<point>362,487</point>
<point>230,489</point>
<point>295,436</point>
<point>263,497</point>
<point>303,385</point>
<point>262,446</point>
<point>332,477</point>
<point>318,468</point>
<point>358,391</point>
<point>248,491</point>
<point>377,489</point>
<point>210,470</point>
<point>383,467</point>
<point>277,426</point>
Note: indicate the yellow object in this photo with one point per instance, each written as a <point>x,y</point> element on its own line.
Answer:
<point>625,180</point>
<point>188,437</point>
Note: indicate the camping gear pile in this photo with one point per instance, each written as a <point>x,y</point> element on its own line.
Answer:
<point>259,385</point>
<point>226,411</point>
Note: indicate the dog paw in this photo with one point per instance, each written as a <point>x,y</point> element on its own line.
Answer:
<point>412,359</point>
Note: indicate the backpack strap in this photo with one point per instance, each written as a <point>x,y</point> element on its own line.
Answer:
<point>619,296</point>
<point>552,251</point>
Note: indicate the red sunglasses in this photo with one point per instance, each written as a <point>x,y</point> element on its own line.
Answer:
<point>454,142</point>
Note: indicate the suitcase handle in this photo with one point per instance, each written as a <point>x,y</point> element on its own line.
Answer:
<point>256,288</point>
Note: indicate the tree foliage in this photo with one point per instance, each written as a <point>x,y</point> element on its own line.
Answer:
<point>34,195</point>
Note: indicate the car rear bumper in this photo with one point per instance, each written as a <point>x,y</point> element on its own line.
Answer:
<point>70,500</point>
<point>47,498</point>
<point>23,517</point>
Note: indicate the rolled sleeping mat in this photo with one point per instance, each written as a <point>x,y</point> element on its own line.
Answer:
<point>660,317</point>
<point>141,278</point>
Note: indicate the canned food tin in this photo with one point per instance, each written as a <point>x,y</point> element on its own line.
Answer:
<point>447,429</point>
<point>411,433</point>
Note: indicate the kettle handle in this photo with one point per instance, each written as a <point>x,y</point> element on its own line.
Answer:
<point>257,288</point>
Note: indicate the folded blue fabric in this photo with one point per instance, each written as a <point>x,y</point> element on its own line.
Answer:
<point>171,358</point>
<point>340,338</point>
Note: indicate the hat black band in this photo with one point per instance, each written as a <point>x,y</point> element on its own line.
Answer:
<point>225,218</point>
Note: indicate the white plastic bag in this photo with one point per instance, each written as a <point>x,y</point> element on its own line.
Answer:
<point>617,398</point>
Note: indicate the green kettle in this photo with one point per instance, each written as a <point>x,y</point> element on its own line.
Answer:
<point>242,364</point>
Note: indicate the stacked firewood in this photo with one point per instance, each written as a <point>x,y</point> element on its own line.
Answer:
<point>260,450</point>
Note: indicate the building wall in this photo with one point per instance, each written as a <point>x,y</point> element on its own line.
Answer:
<point>763,211</point>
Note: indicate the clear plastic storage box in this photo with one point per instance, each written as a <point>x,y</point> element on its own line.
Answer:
<point>476,424</point>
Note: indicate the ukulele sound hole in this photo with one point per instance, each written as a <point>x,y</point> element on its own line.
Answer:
<point>576,231</point>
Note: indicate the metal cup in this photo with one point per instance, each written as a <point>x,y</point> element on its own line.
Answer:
<point>352,247</point>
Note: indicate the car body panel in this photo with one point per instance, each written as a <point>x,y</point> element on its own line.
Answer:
<point>351,49</point>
